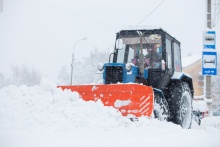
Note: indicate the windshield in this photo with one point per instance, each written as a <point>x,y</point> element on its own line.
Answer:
<point>129,50</point>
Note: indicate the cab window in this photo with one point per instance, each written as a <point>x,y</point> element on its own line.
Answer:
<point>169,55</point>
<point>177,59</point>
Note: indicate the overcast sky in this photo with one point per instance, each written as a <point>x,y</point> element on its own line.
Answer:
<point>41,33</point>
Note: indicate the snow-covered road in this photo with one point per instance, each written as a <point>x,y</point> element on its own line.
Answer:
<point>44,116</point>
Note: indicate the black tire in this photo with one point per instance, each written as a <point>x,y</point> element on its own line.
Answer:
<point>161,109</point>
<point>180,104</point>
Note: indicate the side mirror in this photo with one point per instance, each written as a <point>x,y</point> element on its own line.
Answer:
<point>119,44</point>
<point>110,57</point>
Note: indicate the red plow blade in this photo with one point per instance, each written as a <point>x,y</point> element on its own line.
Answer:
<point>133,99</point>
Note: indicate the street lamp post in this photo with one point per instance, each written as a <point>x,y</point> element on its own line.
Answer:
<point>71,80</point>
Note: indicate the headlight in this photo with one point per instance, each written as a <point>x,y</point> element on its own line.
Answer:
<point>129,66</point>
<point>100,66</point>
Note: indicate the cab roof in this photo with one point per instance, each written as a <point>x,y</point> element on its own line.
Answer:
<point>148,30</point>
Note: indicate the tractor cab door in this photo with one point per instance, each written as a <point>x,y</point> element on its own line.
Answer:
<point>172,57</point>
<point>154,65</point>
<point>156,73</point>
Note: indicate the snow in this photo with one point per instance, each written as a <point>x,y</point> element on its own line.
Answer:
<point>120,103</point>
<point>45,116</point>
<point>178,75</point>
<point>141,27</point>
<point>200,105</point>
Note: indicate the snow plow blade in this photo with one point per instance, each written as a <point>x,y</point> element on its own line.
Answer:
<point>133,99</point>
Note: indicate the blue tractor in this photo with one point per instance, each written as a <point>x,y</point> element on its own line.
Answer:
<point>153,58</point>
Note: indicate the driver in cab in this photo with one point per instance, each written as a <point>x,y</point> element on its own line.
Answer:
<point>153,57</point>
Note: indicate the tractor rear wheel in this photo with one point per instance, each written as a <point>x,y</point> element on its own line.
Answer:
<point>180,104</point>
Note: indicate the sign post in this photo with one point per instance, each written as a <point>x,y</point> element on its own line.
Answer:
<point>209,64</point>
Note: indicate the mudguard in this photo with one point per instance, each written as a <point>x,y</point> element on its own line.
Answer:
<point>135,99</point>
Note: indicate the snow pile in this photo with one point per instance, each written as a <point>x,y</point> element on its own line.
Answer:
<point>46,107</point>
<point>46,116</point>
<point>211,122</point>
<point>200,105</point>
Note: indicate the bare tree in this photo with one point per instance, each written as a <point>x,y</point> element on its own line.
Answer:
<point>24,76</point>
<point>85,71</point>
<point>64,76</point>
<point>2,80</point>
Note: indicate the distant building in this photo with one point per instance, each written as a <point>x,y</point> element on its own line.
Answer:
<point>192,65</point>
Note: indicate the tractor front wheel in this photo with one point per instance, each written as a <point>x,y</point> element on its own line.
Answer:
<point>161,109</point>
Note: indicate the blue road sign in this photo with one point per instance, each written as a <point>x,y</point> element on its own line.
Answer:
<point>209,63</point>
<point>209,40</point>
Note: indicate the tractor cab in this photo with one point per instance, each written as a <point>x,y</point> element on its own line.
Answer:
<point>153,55</point>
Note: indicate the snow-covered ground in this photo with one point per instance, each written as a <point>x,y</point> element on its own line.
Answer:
<point>45,116</point>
